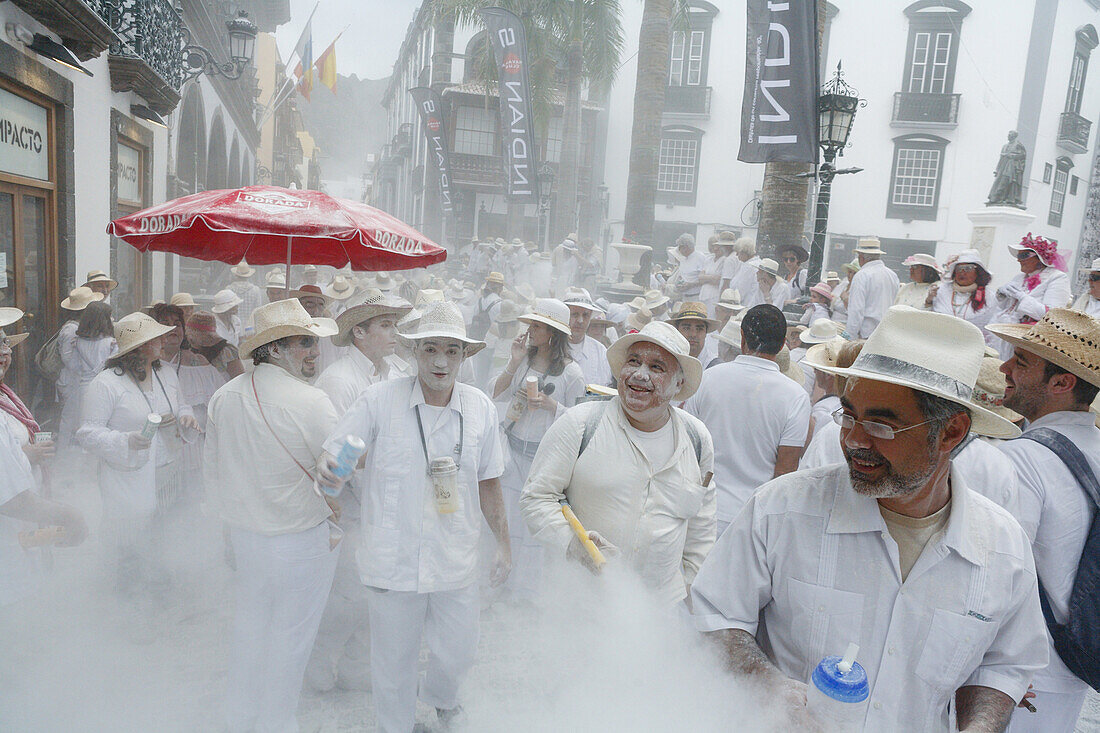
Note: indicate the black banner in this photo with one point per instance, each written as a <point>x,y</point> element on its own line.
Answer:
<point>779,106</point>
<point>510,48</point>
<point>435,129</point>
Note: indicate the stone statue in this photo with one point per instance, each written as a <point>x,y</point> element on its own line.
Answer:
<point>1008,179</point>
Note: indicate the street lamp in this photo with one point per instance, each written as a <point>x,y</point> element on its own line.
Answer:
<point>836,109</point>
<point>546,185</point>
<point>242,47</point>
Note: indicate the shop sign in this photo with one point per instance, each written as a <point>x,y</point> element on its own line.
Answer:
<point>24,137</point>
<point>128,174</point>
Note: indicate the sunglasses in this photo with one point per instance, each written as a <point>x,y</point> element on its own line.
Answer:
<point>966,268</point>
<point>1024,254</point>
<point>305,342</point>
<point>1094,278</point>
<point>790,259</point>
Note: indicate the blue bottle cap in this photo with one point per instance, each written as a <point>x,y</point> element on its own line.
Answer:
<point>842,687</point>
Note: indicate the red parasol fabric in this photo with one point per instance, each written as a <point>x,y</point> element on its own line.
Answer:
<point>268,225</point>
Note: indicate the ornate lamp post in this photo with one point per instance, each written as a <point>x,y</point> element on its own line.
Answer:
<point>836,109</point>
<point>546,186</point>
<point>242,47</point>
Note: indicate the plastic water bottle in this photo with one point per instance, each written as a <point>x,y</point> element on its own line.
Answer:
<point>347,458</point>
<point>838,692</point>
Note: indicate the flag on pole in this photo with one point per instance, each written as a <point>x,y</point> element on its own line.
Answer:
<point>304,49</point>
<point>326,66</point>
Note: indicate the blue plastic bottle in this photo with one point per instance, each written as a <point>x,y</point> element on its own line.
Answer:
<point>838,692</point>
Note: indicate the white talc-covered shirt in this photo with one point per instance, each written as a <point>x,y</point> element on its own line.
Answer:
<point>17,566</point>
<point>961,305</point>
<point>346,379</point>
<point>751,409</point>
<point>660,517</point>
<point>989,472</point>
<point>252,483</point>
<point>809,567</point>
<point>1088,304</point>
<point>591,356</point>
<point>1056,513</point>
<point>744,279</point>
<point>779,294</point>
<point>1052,291</point>
<point>407,544</point>
<point>686,277</point>
<point>873,291</point>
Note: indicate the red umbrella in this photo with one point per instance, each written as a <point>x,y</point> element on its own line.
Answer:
<point>268,225</point>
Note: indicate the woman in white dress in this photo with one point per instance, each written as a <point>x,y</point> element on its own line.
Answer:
<point>962,292</point>
<point>541,352</point>
<point>1041,284</point>
<point>924,273</point>
<point>83,356</point>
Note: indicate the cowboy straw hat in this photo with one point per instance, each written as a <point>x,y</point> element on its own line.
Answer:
<point>183,300</point>
<point>668,338</point>
<point>768,265</point>
<point>284,318</point>
<point>655,299</point>
<point>788,368</point>
<point>825,353</point>
<point>137,329</point>
<point>799,251</point>
<point>1067,338</point>
<point>80,298</point>
<point>920,258</point>
<point>242,269</point>
<point>820,331</point>
<point>989,390</point>
<point>693,311</point>
<point>637,320</point>
<point>9,316</point>
<point>730,300</point>
<point>494,277</point>
<point>364,307</point>
<point>637,303</point>
<point>341,288</point>
<point>309,291</point>
<point>442,320</point>
<point>966,257</point>
<point>549,312</point>
<point>99,276</point>
<point>869,246</point>
<point>581,298</point>
<point>225,300</point>
<point>929,352</point>
<point>731,332</point>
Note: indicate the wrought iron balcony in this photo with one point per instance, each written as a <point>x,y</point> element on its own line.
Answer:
<point>926,109</point>
<point>1073,133</point>
<point>687,100</point>
<point>148,59</point>
<point>80,23</point>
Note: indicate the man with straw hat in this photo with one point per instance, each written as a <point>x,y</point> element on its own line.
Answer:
<point>100,282</point>
<point>768,286</point>
<point>250,294</point>
<point>692,322</point>
<point>340,291</point>
<point>264,430</point>
<point>590,354</point>
<point>1089,302</point>
<point>874,289</point>
<point>1052,378</point>
<point>635,469</point>
<point>891,552</point>
<point>433,462</point>
<point>758,416</point>
<point>225,308</point>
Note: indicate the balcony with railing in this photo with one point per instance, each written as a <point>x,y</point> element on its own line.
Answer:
<point>1073,133</point>
<point>81,23</point>
<point>487,172</point>
<point>926,110</point>
<point>688,100</point>
<point>148,59</point>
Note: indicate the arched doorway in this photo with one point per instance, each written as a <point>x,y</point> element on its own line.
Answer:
<point>191,147</point>
<point>216,164</point>
<point>234,170</point>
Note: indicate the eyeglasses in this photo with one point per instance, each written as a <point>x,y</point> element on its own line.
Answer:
<point>1024,254</point>
<point>874,429</point>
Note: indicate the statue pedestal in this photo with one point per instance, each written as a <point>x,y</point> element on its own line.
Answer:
<point>996,227</point>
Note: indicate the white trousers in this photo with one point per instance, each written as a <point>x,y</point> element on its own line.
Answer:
<point>447,621</point>
<point>342,649</point>
<point>1056,712</point>
<point>528,554</point>
<point>282,583</point>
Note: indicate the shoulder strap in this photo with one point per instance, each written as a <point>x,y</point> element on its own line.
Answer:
<point>276,435</point>
<point>1071,455</point>
<point>591,422</point>
<point>696,441</point>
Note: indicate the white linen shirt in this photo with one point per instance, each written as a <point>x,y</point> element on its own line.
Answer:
<point>407,544</point>
<point>751,409</point>
<point>346,379</point>
<point>251,481</point>
<point>779,294</point>
<point>989,472</point>
<point>17,566</point>
<point>591,356</point>
<point>809,566</point>
<point>961,305</point>
<point>743,280</point>
<point>1052,291</point>
<point>1056,514</point>
<point>1088,304</point>
<point>687,275</point>
<point>660,517</point>
<point>874,289</point>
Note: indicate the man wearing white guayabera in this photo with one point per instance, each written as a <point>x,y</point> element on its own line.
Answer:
<point>874,289</point>
<point>1051,379</point>
<point>263,435</point>
<point>341,654</point>
<point>433,463</point>
<point>635,469</point>
<point>891,551</point>
<point>589,354</point>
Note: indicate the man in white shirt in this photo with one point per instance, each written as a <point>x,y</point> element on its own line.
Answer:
<point>590,354</point>
<point>422,518</point>
<point>890,551</point>
<point>640,482</point>
<point>694,325</point>
<point>692,265</point>
<point>227,324</point>
<point>874,289</point>
<point>250,294</point>
<point>768,287</point>
<point>1052,378</point>
<point>566,265</point>
<point>263,435</point>
<point>759,418</point>
<point>742,275</point>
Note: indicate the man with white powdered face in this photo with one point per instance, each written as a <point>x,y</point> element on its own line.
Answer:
<point>891,551</point>
<point>433,463</point>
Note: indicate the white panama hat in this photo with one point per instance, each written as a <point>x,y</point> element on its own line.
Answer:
<point>225,300</point>
<point>966,257</point>
<point>920,258</point>
<point>80,298</point>
<point>99,276</point>
<point>8,316</point>
<point>443,320</point>
<point>730,300</point>
<point>341,288</point>
<point>869,246</point>
<point>929,352</point>
<point>284,318</point>
<point>582,299</point>
<point>820,331</point>
<point>668,338</point>
<point>136,330</point>
<point>242,269</point>
<point>549,312</point>
<point>768,265</point>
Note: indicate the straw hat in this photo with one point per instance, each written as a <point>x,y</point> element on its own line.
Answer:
<point>768,265</point>
<point>79,298</point>
<point>654,299</point>
<point>225,300</point>
<point>789,369</point>
<point>831,276</point>
<point>275,281</point>
<point>668,338</point>
<point>869,246</point>
<point>99,276</point>
<point>509,312</point>
<point>693,311</point>
<point>929,352</point>
<point>9,316</point>
<point>183,300</point>
<point>921,258</point>
<point>550,312</point>
<point>582,299</point>
<point>637,320</point>
<point>966,257</point>
<point>383,281</point>
<point>341,288</point>
<point>526,293</point>
<point>731,332</point>
<point>821,331</point>
<point>284,318</point>
<point>852,266</point>
<point>989,390</point>
<point>241,269</point>
<point>1070,339</point>
<point>637,303</point>
<point>443,320</point>
<point>495,278</point>
<point>730,300</point>
<point>136,329</point>
<point>799,251</point>
<point>366,306</point>
<point>825,353</point>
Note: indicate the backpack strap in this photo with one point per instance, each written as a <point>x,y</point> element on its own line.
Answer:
<point>592,421</point>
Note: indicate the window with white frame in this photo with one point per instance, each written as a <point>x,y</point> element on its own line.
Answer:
<point>689,49</point>
<point>1058,192</point>
<point>476,131</point>
<point>932,50</point>
<point>678,165</point>
<point>553,140</point>
<point>1086,42</point>
<point>916,177</point>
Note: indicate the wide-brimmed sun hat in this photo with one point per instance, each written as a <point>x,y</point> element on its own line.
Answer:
<point>693,311</point>
<point>730,300</point>
<point>869,246</point>
<point>8,316</point>
<point>788,368</point>
<point>767,265</point>
<point>309,291</point>
<point>581,298</point>
<point>920,258</point>
<point>509,312</point>
<point>825,353</point>
<point>655,299</point>
<point>820,331</point>
<point>799,251</point>
<point>1067,338</point>
<point>341,288</point>
<point>668,338</point>
<point>637,320</point>
<point>384,281</point>
<point>989,390</point>
<point>442,320</point>
<point>966,257</point>
<point>367,305</point>
<point>225,300</point>
<point>550,312</point>
<point>731,332</point>
<point>80,298</point>
<point>183,300</point>
<point>929,352</point>
<point>242,269</point>
<point>495,277</point>
<point>275,281</point>
<point>1046,249</point>
<point>99,276</point>
<point>135,330</point>
<point>281,319</point>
